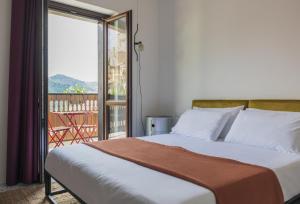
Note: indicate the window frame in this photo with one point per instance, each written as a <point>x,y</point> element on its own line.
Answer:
<point>103,19</point>
<point>81,13</point>
<point>64,8</point>
<point>128,102</point>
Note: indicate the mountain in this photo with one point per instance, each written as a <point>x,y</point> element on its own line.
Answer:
<point>93,85</point>
<point>59,83</point>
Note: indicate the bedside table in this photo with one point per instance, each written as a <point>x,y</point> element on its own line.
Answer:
<point>158,125</point>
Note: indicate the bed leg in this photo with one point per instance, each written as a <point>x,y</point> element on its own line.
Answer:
<point>47,184</point>
<point>48,191</point>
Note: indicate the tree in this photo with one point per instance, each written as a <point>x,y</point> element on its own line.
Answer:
<point>77,88</point>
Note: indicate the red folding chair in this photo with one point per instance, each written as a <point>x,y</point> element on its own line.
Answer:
<point>89,131</point>
<point>57,134</point>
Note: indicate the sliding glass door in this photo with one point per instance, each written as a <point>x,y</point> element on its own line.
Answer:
<point>117,76</point>
<point>74,75</point>
<point>88,75</point>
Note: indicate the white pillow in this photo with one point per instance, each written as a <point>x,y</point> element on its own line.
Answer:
<point>202,124</point>
<point>268,129</point>
<point>233,112</point>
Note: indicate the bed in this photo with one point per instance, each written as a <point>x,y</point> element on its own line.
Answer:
<point>92,177</point>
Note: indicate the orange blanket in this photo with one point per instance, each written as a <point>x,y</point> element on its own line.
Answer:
<point>231,181</point>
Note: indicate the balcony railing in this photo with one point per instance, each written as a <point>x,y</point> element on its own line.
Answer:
<point>72,102</point>
<point>73,118</point>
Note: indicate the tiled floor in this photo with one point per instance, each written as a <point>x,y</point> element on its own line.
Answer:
<point>118,135</point>
<point>52,145</point>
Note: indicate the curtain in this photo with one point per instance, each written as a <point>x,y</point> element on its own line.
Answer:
<point>23,128</point>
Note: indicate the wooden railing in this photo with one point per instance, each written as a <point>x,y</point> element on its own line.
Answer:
<point>117,124</point>
<point>73,103</point>
<point>83,103</point>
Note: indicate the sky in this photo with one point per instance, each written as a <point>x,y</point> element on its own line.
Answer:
<point>73,48</point>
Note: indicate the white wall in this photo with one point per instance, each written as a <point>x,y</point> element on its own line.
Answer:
<point>5,7</point>
<point>231,49</point>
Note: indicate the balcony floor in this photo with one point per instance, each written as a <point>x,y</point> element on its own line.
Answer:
<point>118,135</point>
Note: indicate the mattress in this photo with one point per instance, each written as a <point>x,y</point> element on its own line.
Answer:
<point>97,177</point>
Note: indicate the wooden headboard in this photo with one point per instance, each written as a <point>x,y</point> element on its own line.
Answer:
<point>276,105</point>
<point>219,103</point>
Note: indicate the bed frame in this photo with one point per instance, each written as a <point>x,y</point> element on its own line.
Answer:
<point>278,105</point>
<point>50,195</point>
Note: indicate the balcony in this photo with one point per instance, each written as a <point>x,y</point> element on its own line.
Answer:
<point>73,119</point>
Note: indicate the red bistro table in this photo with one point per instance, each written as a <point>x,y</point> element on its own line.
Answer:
<point>73,123</point>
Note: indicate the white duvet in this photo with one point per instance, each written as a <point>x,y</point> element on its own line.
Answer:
<point>97,177</point>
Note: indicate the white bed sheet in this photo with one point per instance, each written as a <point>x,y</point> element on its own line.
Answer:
<point>97,177</point>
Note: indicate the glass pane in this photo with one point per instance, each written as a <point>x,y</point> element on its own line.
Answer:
<point>117,122</point>
<point>117,60</point>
